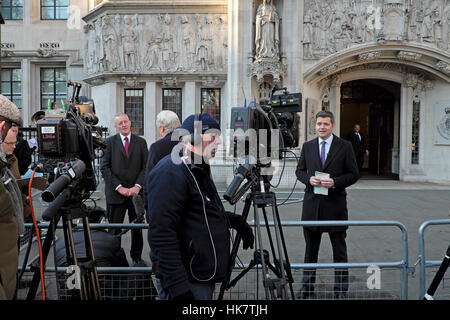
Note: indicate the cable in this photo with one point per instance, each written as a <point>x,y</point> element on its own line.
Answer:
<point>207,226</point>
<point>38,236</point>
<point>295,184</point>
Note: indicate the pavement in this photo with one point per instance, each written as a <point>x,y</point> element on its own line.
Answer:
<point>409,203</point>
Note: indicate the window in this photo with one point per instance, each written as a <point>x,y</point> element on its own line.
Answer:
<point>53,87</point>
<point>54,9</point>
<point>415,133</point>
<point>11,85</point>
<point>134,108</point>
<point>12,9</point>
<point>172,101</point>
<point>211,103</point>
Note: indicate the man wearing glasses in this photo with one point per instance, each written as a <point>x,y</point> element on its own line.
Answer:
<point>11,215</point>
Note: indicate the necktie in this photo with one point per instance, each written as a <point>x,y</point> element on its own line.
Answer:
<point>359,136</point>
<point>127,145</point>
<point>322,153</point>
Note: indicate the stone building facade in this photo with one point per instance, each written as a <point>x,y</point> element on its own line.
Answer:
<point>384,64</point>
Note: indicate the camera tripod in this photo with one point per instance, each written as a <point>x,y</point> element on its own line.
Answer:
<point>438,277</point>
<point>67,208</point>
<point>275,288</point>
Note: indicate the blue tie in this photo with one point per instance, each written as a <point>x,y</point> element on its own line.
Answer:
<point>322,153</point>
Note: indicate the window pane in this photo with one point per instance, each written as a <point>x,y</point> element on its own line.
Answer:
<point>48,88</point>
<point>50,3</point>
<point>6,3</point>
<point>6,75</point>
<point>62,3</point>
<point>47,74</point>
<point>6,13</point>
<point>48,13</point>
<point>61,87</point>
<point>17,75</point>
<point>134,108</point>
<point>16,3</point>
<point>211,103</point>
<point>6,88</point>
<point>60,75</point>
<point>17,87</point>
<point>61,13</point>
<point>18,101</point>
<point>17,13</point>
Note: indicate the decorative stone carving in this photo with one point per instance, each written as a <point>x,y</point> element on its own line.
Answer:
<point>369,56</point>
<point>331,26</point>
<point>328,69</point>
<point>46,53</point>
<point>409,56</point>
<point>261,67</point>
<point>169,81</point>
<point>155,43</point>
<point>6,53</point>
<point>443,66</point>
<point>267,31</point>
<point>211,82</point>
<point>130,82</point>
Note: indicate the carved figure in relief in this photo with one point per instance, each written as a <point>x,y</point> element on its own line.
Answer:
<point>129,37</point>
<point>111,60</point>
<point>144,36</point>
<point>267,31</point>
<point>188,43</point>
<point>202,50</point>
<point>307,35</point>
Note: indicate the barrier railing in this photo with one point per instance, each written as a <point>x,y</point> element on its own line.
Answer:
<point>423,263</point>
<point>401,265</point>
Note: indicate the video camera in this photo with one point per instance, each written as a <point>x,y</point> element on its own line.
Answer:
<point>262,131</point>
<point>68,135</point>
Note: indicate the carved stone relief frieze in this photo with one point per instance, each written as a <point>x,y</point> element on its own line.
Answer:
<point>155,43</point>
<point>331,26</point>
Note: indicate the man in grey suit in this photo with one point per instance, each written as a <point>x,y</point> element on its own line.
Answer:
<point>123,168</point>
<point>334,156</point>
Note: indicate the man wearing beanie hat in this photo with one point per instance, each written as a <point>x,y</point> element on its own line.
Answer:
<point>9,191</point>
<point>189,227</point>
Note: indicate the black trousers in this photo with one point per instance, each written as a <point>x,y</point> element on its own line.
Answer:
<point>312,239</point>
<point>116,214</point>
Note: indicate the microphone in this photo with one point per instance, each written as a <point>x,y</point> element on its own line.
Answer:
<point>139,208</point>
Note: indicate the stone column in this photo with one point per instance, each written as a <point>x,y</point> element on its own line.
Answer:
<point>150,112</point>
<point>190,104</point>
<point>335,101</point>
<point>27,106</point>
<point>105,98</point>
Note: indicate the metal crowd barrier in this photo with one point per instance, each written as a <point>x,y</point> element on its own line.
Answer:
<point>423,263</point>
<point>246,288</point>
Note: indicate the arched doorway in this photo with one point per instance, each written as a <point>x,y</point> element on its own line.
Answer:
<point>375,106</point>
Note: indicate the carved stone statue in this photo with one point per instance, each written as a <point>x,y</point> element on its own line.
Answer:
<point>267,31</point>
<point>188,43</point>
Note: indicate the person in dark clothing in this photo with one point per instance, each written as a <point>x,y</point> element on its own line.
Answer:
<point>359,145</point>
<point>22,151</point>
<point>166,121</point>
<point>123,167</point>
<point>188,225</point>
<point>333,156</point>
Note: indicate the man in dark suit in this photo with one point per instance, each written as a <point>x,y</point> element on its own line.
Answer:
<point>327,154</point>
<point>359,145</point>
<point>123,167</point>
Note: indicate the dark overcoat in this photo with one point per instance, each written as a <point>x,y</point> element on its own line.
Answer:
<point>341,165</point>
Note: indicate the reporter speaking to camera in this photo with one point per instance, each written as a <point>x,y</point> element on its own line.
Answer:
<point>188,231</point>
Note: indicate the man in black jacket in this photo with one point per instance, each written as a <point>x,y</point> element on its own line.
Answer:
<point>331,155</point>
<point>166,121</point>
<point>188,229</point>
<point>123,168</point>
<point>359,145</point>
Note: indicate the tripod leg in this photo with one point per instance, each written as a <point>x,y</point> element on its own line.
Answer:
<point>283,242</point>
<point>90,252</point>
<point>226,284</point>
<point>45,250</point>
<point>438,277</point>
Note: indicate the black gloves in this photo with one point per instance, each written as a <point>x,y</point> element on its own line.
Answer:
<point>187,296</point>
<point>247,232</point>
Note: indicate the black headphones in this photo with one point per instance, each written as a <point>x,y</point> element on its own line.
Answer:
<point>196,138</point>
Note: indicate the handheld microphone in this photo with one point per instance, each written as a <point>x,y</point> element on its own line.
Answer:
<point>139,208</point>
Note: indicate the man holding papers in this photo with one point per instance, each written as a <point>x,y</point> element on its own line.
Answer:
<point>326,167</point>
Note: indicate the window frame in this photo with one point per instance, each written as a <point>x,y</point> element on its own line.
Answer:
<point>135,130</point>
<point>12,94</point>
<point>43,106</point>
<point>10,7</point>
<point>202,107</point>
<point>54,6</point>
<point>180,104</point>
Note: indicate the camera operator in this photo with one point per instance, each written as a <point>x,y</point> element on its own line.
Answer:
<point>11,210</point>
<point>188,229</point>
